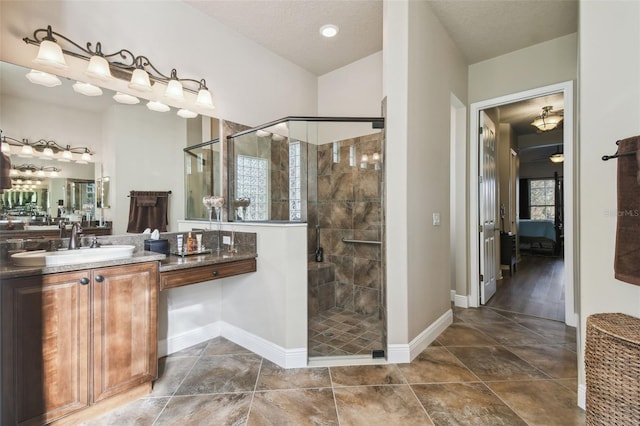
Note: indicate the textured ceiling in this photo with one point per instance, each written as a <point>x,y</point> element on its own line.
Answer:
<point>291,29</point>
<point>482,29</point>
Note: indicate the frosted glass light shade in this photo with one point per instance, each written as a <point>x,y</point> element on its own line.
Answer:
<point>50,54</point>
<point>124,98</point>
<point>157,106</point>
<point>6,149</point>
<point>26,150</point>
<point>53,173</point>
<point>204,99</point>
<point>86,156</point>
<point>47,152</point>
<point>66,156</point>
<point>185,113</point>
<point>99,68</point>
<point>87,89</point>
<point>43,78</point>
<point>174,91</point>
<point>140,81</point>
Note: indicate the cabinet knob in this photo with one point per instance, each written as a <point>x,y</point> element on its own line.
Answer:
<point>99,278</point>
<point>84,281</point>
<point>215,273</point>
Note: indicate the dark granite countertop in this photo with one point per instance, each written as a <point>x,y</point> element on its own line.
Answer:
<point>174,262</point>
<point>9,270</point>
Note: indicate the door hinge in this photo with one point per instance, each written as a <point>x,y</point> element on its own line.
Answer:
<point>480,179</point>
<point>481,277</point>
<point>481,228</point>
<point>480,130</point>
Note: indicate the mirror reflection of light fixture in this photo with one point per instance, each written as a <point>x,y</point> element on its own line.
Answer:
<point>43,78</point>
<point>136,69</point>
<point>45,148</point>
<point>547,120</point>
<point>124,98</point>
<point>262,133</point>
<point>86,89</point>
<point>558,157</point>
<point>157,106</point>
<point>185,113</point>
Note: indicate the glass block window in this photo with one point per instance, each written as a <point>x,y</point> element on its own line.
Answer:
<point>252,182</point>
<point>295,194</point>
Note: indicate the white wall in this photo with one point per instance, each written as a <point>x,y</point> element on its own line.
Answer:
<point>423,68</point>
<point>536,66</point>
<point>250,84</point>
<point>609,110</point>
<point>354,90</point>
<point>143,152</point>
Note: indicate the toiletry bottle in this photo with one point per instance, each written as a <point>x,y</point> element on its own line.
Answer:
<point>190,243</point>
<point>180,243</point>
<point>199,242</point>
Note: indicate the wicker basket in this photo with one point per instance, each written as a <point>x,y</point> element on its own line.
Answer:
<point>612,361</point>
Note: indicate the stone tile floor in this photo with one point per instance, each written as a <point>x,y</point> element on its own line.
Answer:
<point>487,368</point>
<point>337,332</point>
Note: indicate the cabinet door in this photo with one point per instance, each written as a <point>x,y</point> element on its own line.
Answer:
<point>125,300</point>
<point>45,337</point>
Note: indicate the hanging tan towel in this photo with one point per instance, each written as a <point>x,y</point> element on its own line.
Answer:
<point>148,209</point>
<point>627,257</point>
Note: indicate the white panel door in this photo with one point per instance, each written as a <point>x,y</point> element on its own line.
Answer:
<point>487,203</point>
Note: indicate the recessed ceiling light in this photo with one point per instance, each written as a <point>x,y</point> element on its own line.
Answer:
<point>329,30</point>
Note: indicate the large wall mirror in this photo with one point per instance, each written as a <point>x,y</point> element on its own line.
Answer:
<point>135,147</point>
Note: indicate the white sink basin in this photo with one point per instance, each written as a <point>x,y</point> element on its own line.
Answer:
<point>72,257</point>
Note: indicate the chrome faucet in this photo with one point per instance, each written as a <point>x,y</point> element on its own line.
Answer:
<point>63,228</point>
<point>74,239</point>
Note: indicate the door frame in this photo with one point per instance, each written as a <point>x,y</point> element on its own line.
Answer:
<point>569,171</point>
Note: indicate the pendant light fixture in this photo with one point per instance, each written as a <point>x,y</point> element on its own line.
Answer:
<point>547,120</point>
<point>98,66</point>
<point>558,157</point>
<point>50,53</point>
<point>140,81</point>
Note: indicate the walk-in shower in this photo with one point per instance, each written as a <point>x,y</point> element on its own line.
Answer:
<point>327,172</point>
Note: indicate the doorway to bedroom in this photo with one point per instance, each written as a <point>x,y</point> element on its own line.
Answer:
<point>530,204</point>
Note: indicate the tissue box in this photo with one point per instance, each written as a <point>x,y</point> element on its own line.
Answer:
<point>157,246</point>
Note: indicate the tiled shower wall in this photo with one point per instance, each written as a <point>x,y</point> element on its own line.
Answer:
<point>348,206</point>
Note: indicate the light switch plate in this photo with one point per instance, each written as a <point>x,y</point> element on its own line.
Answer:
<point>436,219</point>
<point>226,239</point>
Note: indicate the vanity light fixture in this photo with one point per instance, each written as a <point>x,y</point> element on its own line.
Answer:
<point>136,69</point>
<point>140,80</point>
<point>174,88</point>
<point>329,30</point>
<point>86,89</point>
<point>157,106</point>
<point>185,113</point>
<point>45,148</point>
<point>50,53</point>
<point>43,78</point>
<point>124,98</point>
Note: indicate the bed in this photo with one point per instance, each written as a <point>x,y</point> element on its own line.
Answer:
<point>537,235</point>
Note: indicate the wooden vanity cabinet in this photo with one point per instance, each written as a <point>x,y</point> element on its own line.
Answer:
<point>71,340</point>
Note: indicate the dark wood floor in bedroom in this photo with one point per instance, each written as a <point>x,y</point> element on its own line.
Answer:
<point>536,288</point>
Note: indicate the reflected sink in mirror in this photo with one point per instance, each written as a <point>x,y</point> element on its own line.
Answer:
<point>72,257</point>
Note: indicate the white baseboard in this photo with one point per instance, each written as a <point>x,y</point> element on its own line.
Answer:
<point>403,353</point>
<point>192,337</point>
<point>286,358</point>
<point>582,396</point>
<point>459,300</point>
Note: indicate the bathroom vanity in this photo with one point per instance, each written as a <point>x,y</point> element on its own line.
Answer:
<point>78,340</point>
